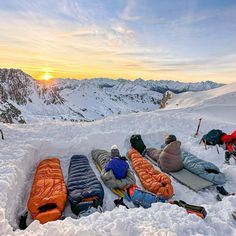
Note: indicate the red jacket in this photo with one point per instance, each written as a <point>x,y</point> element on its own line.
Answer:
<point>229,140</point>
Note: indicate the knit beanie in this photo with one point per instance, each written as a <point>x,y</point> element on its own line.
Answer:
<point>170,138</point>
<point>114,151</point>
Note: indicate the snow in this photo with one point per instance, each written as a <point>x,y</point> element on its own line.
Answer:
<point>218,103</point>
<point>25,145</point>
<point>85,99</point>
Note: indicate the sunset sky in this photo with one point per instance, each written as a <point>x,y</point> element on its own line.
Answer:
<point>185,40</point>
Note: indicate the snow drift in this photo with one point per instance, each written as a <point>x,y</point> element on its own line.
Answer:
<point>25,145</point>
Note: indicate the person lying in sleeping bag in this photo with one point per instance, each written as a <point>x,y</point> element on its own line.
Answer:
<point>141,197</point>
<point>145,199</point>
<point>117,164</point>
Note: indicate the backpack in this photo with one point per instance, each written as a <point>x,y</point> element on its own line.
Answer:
<point>213,137</point>
<point>137,143</point>
<point>198,210</point>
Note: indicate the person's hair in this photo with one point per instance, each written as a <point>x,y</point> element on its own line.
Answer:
<point>170,138</point>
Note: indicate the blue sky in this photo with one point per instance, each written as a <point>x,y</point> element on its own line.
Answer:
<point>186,40</point>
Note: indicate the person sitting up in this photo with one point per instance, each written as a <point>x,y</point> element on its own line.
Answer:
<point>117,164</point>
<point>169,157</point>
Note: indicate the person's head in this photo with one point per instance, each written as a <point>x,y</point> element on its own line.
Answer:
<point>170,138</point>
<point>115,151</point>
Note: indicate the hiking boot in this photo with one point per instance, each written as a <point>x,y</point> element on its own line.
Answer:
<point>119,202</point>
<point>222,190</point>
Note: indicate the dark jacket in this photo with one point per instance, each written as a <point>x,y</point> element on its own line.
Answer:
<point>118,166</point>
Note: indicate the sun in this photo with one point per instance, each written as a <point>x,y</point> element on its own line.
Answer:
<point>46,76</point>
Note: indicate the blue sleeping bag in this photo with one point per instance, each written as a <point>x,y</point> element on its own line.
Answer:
<point>143,198</point>
<point>84,189</point>
<point>204,169</point>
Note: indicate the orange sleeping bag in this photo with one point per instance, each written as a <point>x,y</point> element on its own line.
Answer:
<point>48,194</point>
<point>152,180</point>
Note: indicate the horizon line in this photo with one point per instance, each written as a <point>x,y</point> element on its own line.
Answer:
<point>110,78</point>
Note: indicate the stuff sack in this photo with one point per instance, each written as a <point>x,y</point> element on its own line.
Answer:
<point>137,143</point>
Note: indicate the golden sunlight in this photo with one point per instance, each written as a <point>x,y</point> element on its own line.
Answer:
<point>46,76</point>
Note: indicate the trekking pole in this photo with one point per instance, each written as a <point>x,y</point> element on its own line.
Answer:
<point>234,157</point>
<point>217,149</point>
<point>198,127</point>
<point>2,134</point>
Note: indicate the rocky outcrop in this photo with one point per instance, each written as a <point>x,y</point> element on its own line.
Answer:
<point>51,96</point>
<point>165,98</point>
<point>10,114</point>
<point>17,89</point>
<point>16,86</point>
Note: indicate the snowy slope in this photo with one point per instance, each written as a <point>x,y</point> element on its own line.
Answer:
<point>25,145</point>
<point>218,103</point>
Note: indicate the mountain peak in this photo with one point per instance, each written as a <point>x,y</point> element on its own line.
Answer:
<point>85,99</point>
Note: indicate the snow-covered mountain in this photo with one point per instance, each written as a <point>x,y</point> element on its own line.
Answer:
<point>213,102</point>
<point>20,92</point>
<point>25,146</point>
<point>24,99</point>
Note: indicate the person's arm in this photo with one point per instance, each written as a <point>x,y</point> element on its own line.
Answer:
<point>108,166</point>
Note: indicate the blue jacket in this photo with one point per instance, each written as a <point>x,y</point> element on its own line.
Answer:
<point>118,166</point>
<point>143,198</point>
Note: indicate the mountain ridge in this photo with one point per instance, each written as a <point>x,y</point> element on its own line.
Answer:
<point>82,100</point>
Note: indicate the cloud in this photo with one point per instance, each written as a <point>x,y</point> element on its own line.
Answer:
<point>101,39</point>
<point>88,31</point>
<point>123,30</point>
<point>127,13</point>
<point>146,52</point>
